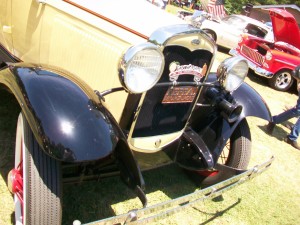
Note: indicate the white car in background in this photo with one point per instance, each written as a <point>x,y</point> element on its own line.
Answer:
<point>159,3</point>
<point>226,32</point>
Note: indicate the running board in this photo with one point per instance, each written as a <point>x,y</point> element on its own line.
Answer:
<point>170,207</point>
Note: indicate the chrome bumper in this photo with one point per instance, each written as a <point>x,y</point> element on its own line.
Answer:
<point>259,71</point>
<point>163,210</point>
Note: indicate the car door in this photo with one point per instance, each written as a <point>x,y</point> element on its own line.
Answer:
<point>26,26</point>
<point>5,22</point>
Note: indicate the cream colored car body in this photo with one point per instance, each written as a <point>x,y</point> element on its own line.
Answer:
<point>95,35</point>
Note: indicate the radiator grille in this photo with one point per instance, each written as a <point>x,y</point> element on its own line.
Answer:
<point>253,55</point>
<point>156,117</point>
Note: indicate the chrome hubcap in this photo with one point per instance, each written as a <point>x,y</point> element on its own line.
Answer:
<point>283,80</point>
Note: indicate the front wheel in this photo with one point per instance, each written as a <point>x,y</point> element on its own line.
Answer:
<point>236,154</point>
<point>35,181</point>
<point>282,80</point>
<point>237,151</point>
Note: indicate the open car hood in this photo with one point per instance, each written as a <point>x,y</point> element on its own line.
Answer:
<point>285,27</point>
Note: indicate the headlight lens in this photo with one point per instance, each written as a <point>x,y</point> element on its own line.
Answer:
<point>141,67</point>
<point>232,72</point>
<point>268,56</point>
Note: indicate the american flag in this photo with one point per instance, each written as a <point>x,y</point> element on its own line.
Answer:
<point>214,7</point>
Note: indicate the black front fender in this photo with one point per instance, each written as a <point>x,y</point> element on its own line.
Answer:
<point>253,104</point>
<point>251,101</point>
<point>216,131</point>
<point>68,120</point>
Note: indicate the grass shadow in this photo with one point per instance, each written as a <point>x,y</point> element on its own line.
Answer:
<point>94,201</point>
<point>263,81</point>
<point>279,133</point>
<point>218,213</point>
<point>102,199</point>
<point>9,111</point>
<point>258,79</point>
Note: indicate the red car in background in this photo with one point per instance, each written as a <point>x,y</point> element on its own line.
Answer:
<point>274,60</point>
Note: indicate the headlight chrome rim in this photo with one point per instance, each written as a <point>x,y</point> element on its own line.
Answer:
<point>232,73</point>
<point>141,67</point>
<point>268,55</point>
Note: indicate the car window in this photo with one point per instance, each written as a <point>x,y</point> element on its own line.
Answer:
<point>255,30</point>
<point>235,21</point>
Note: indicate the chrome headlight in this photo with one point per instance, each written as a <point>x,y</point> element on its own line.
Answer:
<point>268,56</point>
<point>141,67</point>
<point>232,72</point>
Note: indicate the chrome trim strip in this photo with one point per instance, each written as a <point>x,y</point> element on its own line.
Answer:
<point>285,62</point>
<point>171,35</point>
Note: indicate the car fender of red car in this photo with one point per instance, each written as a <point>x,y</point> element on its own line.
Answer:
<point>281,60</point>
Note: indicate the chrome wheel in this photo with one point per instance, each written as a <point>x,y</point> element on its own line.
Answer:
<point>282,80</point>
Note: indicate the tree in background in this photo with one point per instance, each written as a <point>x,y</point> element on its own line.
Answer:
<point>235,6</point>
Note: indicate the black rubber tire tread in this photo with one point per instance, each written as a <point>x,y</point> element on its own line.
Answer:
<point>272,81</point>
<point>44,183</point>
<point>240,146</point>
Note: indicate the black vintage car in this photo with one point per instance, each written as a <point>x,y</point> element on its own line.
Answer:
<point>98,82</point>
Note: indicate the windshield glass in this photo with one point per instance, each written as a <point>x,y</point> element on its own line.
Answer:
<point>234,21</point>
<point>256,30</point>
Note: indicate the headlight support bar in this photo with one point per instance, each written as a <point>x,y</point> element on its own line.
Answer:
<point>164,84</point>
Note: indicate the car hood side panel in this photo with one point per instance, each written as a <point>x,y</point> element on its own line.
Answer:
<point>144,20</point>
